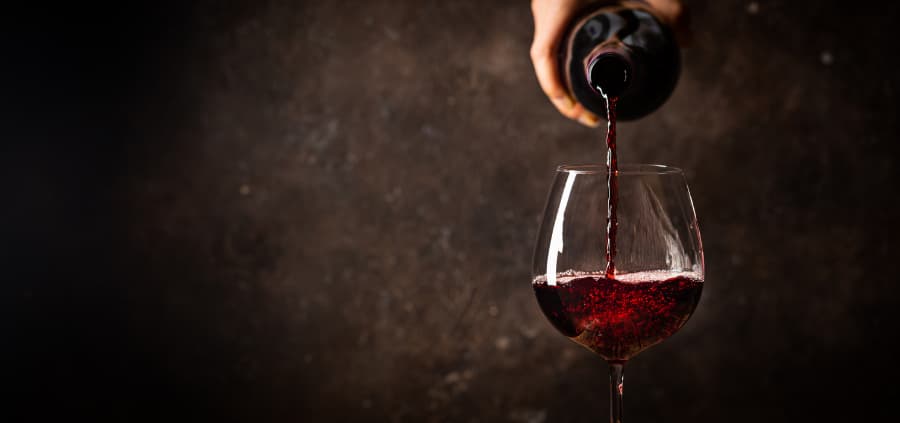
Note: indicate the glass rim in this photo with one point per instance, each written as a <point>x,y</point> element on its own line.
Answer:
<point>624,169</point>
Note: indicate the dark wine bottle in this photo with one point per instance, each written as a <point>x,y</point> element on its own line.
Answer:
<point>620,50</point>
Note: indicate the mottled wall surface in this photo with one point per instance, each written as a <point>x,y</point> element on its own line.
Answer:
<point>325,211</point>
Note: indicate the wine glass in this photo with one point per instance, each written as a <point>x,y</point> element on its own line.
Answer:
<point>618,273</point>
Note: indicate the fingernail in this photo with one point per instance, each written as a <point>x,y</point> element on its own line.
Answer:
<point>589,120</point>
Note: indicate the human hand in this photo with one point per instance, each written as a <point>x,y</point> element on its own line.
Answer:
<point>550,20</point>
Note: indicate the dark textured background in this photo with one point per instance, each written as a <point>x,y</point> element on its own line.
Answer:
<point>324,211</point>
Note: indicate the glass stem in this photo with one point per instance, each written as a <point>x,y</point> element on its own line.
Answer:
<point>616,386</point>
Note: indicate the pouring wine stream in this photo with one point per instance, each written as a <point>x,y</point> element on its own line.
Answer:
<point>609,75</point>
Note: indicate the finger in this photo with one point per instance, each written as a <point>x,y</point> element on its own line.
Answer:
<point>668,10</point>
<point>545,67</point>
<point>550,19</point>
<point>676,15</point>
<point>589,119</point>
<point>564,103</point>
<point>584,116</point>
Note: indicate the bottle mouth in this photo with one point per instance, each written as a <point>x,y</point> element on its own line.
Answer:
<point>609,74</point>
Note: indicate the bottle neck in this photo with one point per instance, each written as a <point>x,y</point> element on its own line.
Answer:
<point>609,69</point>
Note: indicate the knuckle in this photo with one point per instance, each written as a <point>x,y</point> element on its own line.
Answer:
<point>539,52</point>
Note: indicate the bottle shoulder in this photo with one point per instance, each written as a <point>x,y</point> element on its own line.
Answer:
<point>637,27</point>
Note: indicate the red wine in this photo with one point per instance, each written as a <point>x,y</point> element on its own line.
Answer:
<point>618,318</point>
<point>612,186</point>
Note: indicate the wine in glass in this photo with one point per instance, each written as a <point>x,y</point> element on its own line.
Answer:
<point>618,298</point>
